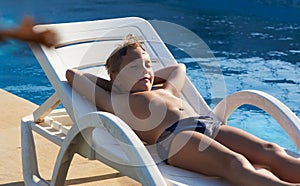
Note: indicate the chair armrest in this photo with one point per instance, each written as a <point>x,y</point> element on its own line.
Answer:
<point>280,112</point>
<point>139,158</point>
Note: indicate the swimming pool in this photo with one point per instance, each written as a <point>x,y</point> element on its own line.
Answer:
<point>254,48</point>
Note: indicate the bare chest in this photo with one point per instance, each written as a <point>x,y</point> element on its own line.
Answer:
<point>149,113</point>
<point>159,103</point>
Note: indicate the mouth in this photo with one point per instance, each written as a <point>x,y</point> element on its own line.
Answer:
<point>145,79</point>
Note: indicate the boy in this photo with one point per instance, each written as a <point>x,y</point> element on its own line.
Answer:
<point>159,115</point>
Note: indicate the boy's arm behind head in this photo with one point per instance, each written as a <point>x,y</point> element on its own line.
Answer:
<point>103,83</point>
<point>88,88</point>
<point>172,77</point>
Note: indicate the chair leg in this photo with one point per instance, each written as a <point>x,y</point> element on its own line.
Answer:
<point>30,168</point>
<point>62,165</point>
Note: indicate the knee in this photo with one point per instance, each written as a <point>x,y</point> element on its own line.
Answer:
<point>271,147</point>
<point>236,160</point>
<point>236,164</point>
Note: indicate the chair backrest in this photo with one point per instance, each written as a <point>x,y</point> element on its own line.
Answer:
<point>86,45</point>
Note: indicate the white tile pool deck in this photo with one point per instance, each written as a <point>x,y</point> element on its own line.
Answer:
<point>81,172</point>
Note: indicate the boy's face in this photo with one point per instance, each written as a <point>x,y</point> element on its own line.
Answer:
<point>136,72</point>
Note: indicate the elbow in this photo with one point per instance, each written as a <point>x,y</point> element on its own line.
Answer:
<point>70,73</point>
<point>182,67</point>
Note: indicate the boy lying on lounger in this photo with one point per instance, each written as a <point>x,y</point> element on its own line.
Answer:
<point>159,116</point>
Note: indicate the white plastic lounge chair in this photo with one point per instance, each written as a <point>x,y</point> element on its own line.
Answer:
<point>96,134</point>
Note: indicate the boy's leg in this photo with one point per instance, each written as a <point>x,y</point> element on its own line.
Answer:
<point>260,152</point>
<point>216,160</point>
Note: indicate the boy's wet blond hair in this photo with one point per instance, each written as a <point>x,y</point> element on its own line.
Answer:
<point>113,62</point>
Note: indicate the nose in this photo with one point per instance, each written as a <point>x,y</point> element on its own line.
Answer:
<point>145,71</point>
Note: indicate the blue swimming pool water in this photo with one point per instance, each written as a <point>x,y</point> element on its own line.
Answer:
<point>256,43</point>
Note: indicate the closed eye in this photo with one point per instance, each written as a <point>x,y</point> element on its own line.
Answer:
<point>134,66</point>
<point>148,65</point>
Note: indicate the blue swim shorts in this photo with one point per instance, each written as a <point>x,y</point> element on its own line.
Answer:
<point>202,124</point>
